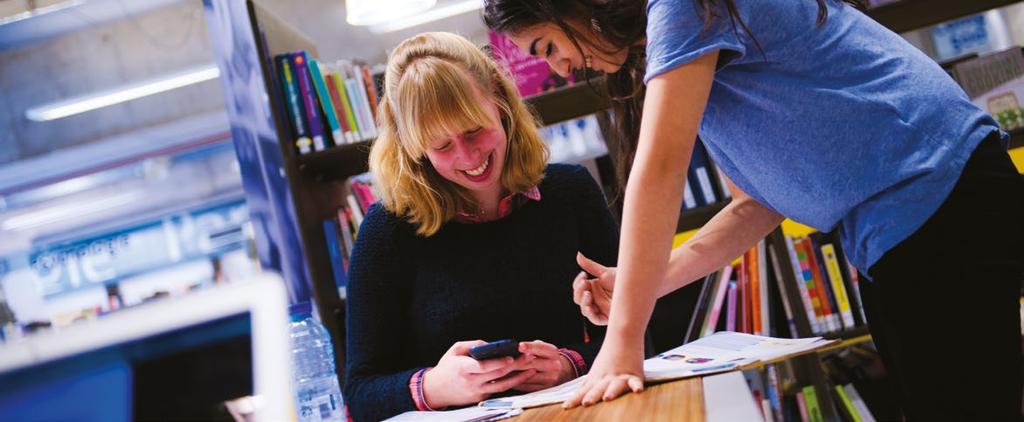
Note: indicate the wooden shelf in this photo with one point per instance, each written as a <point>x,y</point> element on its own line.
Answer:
<point>337,163</point>
<point>697,217</point>
<point>848,334</point>
<point>577,100</point>
<point>1017,138</point>
<point>908,15</point>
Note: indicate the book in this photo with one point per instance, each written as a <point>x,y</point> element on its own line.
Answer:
<point>331,234</point>
<point>730,314</point>
<point>346,105</point>
<point>701,309</point>
<point>763,290</point>
<point>801,406</point>
<point>294,105</point>
<point>801,284</point>
<point>310,102</point>
<point>701,173</point>
<point>858,403</point>
<point>829,304</point>
<point>811,402</point>
<point>774,392</point>
<point>785,295</point>
<point>846,406</point>
<point>326,104</point>
<point>718,300</point>
<point>689,202</point>
<point>348,134</point>
<point>835,276</point>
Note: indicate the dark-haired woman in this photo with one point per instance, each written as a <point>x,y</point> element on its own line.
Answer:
<point>817,113</point>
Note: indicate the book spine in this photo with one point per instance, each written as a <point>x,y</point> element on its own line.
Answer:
<point>339,112</point>
<point>801,406</point>
<point>774,391</point>
<point>364,101</point>
<point>730,315</point>
<point>689,202</point>
<point>716,308</point>
<point>801,285</point>
<point>784,294</point>
<point>353,205</point>
<point>346,234</point>
<point>371,91</point>
<point>828,251</point>
<point>827,296</point>
<point>334,250</point>
<point>858,403</point>
<point>757,325</point>
<point>326,103</point>
<point>762,276</point>
<point>847,406</point>
<point>811,401</point>
<point>309,100</point>
<point>296,114</point>
<point>346,104</point>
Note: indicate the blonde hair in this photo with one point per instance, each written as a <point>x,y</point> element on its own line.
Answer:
<point>427,97</point>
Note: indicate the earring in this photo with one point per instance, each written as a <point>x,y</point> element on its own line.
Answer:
<point>594,25</point>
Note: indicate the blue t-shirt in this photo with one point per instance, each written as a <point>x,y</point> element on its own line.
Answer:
<point>842,126</point>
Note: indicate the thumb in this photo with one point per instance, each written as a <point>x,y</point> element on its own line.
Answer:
<point>590,266</point>
<point>462,348</point>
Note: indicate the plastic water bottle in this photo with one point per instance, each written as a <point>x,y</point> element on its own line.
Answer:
<point>317,395</point>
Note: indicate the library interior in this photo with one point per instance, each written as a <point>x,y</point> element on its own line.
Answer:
<point>272,210</point>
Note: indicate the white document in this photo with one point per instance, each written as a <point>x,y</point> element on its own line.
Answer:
<point>469,414</point>
<point>720,352</point>
<point>727,398</point>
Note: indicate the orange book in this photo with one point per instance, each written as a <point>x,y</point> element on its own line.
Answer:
<point>755,291</point>
<point>831,316</point>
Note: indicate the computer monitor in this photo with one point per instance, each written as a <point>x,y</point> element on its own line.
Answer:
<point>175,359</point>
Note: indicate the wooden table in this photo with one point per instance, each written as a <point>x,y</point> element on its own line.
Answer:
<point>681,400</point>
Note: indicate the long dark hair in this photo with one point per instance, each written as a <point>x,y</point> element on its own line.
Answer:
<point>622,24</point>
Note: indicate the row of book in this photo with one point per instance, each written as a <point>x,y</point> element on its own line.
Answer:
<point>329,104</point>
<point>340,230</point>
<point>783,287</point>
<point>704,182</point>
<point>994,82</point>
<point>782,398</point>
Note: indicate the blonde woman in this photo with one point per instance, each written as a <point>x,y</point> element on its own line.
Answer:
<point>475,239</point>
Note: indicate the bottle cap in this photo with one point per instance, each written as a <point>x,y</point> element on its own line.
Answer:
<point>300,311</point>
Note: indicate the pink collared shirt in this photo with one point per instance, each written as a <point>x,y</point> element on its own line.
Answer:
<point>505,206</point>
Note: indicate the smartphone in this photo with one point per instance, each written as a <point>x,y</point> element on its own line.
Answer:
<point>495,349</point>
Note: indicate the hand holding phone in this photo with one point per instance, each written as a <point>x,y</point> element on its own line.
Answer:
<point>495,349</point>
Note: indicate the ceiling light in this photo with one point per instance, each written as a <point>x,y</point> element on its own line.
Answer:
<point>376,12</point>
<point>449,10</point>
<point>65,211</point>
<point>129,92</point>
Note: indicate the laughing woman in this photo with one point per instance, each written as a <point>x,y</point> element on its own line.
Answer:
<point>475,238</point>
<point>820,114</point>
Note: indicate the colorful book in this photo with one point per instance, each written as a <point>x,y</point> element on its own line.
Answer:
<point>846,406</point>
<point>828,299</point>
<point>785,295</point>
<point>311,106</point>
<point>346,235</point>
<point>774,392</point>
<point>813,407</point>
<point>371,91</point>
<point>294,105</point>
<point>801,406</point>
<point>753,266</point>
<point>858,403</point>
<point>835,276</point>
<point>347,133</point>
<point>346,105</point>
<point>327,105</point>
<point>700,171</point>
<point>801,286</point>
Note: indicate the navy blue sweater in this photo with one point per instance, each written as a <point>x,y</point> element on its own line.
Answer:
<point>411,297</point>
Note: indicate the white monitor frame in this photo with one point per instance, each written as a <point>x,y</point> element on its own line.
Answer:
<point>263,297</point>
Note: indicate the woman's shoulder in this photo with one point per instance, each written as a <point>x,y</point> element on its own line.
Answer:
<point>556,173</point>
<point>379,220</point>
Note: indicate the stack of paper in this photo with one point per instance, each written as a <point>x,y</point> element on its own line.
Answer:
<point>719,352</point>
<point>469,414</point>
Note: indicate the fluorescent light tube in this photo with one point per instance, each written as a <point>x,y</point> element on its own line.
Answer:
<point>438,13</point>
<point>65,211</point>
<point>129,92</point>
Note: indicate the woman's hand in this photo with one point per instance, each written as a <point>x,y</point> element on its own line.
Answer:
<point>593,295</point>
<point>551,367</point>
<point>616,371</point>
<point>458,379</point>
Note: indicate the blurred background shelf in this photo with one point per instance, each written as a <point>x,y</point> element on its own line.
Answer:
<point>908,15</point>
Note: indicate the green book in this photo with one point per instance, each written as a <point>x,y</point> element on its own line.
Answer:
<point>325,101</point>
<point>811,401</point>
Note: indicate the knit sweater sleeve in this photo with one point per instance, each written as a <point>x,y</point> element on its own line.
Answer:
<point>377,384</point>
<point>599,241</point>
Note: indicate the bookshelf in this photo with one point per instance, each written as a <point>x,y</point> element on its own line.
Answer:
<point>908,15</point>
<point>1017,138</point>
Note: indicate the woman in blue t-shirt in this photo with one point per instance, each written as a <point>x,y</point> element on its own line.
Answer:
<point>814,112</point>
